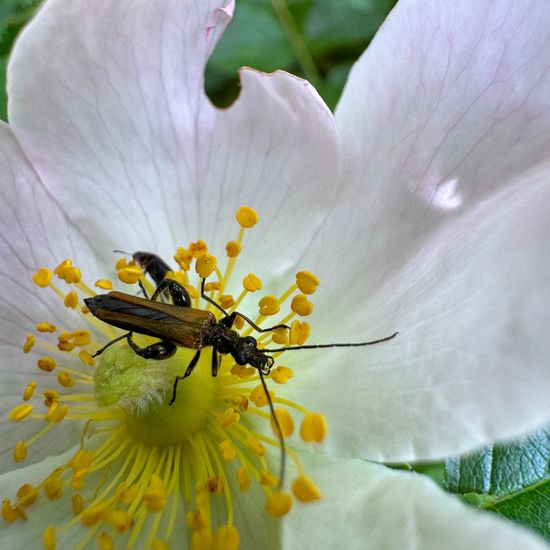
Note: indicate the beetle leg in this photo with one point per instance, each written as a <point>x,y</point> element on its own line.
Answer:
<point>143,289</point>
<point>180,296</point>
<point>159,350</point>
<point>190,368</point>
<point>215,362</point>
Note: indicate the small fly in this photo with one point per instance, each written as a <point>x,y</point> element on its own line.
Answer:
<point>178,324</point>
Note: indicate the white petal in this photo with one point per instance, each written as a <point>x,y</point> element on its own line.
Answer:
<point>470,363</point>
<point>366,506</point>
<point>449,104</point>
<point>107,101</point>
<point>34,232</point>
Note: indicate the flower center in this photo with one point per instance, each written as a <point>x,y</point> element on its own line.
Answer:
<point>146,449</point>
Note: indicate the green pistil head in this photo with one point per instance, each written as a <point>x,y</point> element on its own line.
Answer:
<point>143,389</point>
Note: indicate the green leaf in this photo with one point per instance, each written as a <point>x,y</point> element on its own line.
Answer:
<point>511,479</point>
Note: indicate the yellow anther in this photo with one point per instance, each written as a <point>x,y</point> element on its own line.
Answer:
<point>42,277</point>
<point>67,272</point>
<point>307,282</point>
<point>104,284</point>
<point>65,264</point>
<point>155,494</point>
<point>77,503</point>
<point>214,285</point>
<point>49,538</point>
<point>94,514</point>
<point>50,396</point>
<point>159,545</point>
<point>280,336</point>
<point>226,538</point>
<point>226,301</point>
<point>20,452</point>
<point>228,417</point>
<point>202,540</point>
<point>53,487</point>
<point>205,265</point>
<point>45,327</point>
<point>242,371</point>
<point>29,343</point>
<point>299,332</point>
<point>301,305</point>
<point>281,375</point>
<point>130,274</point>
<point>196,520</point>
<point>19,412</point>
<point>178,276</point>
<point>65,345</point>
<point>243,478</point>
<point>215,484</point>
<point>279,504</point>
<point>305,490</point>
<point>82,337</point>
<point>269,305</point>
<point>85,310</point>
<point>314,427</point>
<point>240,401</point>
<point>227,450</point>
<point>255,446</point>
<point>105,541</point>
<point>259,397</point>
<point>121,521</point>
<point>8,511</point>
<point>65,379</point>
<point>125,493</point>
<point>26,495</point>
<point>81,460</point>
<point>86,358</point>
<point>252,283</point>
<point>233,249</point>
<point>268,479</point>
<point>121,263</point>
<point>239,323</point>
<point>183,257</point>
<point>71,300</point>
<point>286,422</point>
<point>247,217</point>
<point>51,411</point>
<point>29,391</point>
<point>198,249</point>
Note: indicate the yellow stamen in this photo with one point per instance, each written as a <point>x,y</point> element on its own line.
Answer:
<point>285,421</point>
<point>279,504</point>
<point>259,397</point>
<point>233,249</point>
<point>20,451</point>
<point>53,487</point>
<point>105,541</point>
<point>29,343</point>
<point>8,512</point>
<point>246,217</point>
<point>29,391</point>
<point>65,379</point>
<point>42,277</point>
<point>314,427</point>
<point>269,305</point>
<point>252,283</point>
<point>243,478</point>
<point>86,358</point>
<point>104,284</point>
<point>205,265</point>
<point>281,374</point>
<point>301,305</point>
<point>26,495</point>
<point>226,538</point>
<point>20,412</point>
<point>130,274</point>
<point>45,327</point>
<point>49,538</point>
<point>299,332</point>
<point>77,503</point>
<point>307,282</point>
<point>71,300</point>
<point>305,490</point>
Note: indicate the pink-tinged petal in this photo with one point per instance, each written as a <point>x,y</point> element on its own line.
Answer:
<point>470,362</point>
<point>369,507</point>
<point>449,104</point>
<point>108,103</point>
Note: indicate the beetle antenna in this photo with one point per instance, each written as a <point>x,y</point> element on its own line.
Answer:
<point>117,251</point>
<point>315,346</point>
<point>279,431</point>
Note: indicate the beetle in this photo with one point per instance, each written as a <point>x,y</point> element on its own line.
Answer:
<point>178,324</point>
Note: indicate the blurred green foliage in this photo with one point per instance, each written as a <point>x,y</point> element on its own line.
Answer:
<point>315,39</point>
